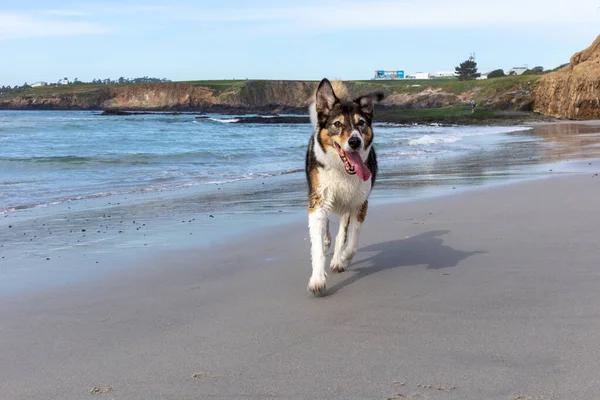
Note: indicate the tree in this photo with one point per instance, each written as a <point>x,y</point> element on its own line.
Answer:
<point>497,73</point>
<point>467,70</point>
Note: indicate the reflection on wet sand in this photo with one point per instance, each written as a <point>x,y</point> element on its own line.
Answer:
<point>568,141</point>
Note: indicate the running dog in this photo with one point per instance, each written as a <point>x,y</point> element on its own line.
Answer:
<point>341,168</point>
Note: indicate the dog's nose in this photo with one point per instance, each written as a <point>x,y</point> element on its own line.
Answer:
<point>354,142</point>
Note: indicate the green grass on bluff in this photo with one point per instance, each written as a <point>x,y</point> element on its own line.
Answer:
<point>485,88</point>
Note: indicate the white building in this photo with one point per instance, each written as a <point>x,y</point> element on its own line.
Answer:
<point>444,74</point>
<point>422,75</point>
<point>39,83</point>
<point>64,81</point>
<point>517,71</point>
<point>483,76</point>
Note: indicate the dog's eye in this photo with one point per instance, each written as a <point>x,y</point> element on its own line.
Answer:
<point>361,122</point>
<point>337,124</point>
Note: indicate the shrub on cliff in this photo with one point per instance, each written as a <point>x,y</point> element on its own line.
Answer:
<point>497,73</point>
<point>534,71</point>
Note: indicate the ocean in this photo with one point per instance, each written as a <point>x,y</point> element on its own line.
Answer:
<point>80,186</point>
<point>53,157</point>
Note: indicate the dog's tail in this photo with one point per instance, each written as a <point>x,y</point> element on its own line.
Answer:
<point>341,92</point>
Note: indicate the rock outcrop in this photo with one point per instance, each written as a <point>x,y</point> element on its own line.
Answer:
<point>572,92</point>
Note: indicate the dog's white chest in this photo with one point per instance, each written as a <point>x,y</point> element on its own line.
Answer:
<point>342,192</point>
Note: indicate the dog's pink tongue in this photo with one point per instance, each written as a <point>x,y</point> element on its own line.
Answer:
<point>359,166</point>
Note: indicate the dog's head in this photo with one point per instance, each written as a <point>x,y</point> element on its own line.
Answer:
<point>345,127</point>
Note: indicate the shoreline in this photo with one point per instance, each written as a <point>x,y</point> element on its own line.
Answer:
<point>445,116</point>
<point>133,237</point>
<point>93,232</point>
<point>488,293</point>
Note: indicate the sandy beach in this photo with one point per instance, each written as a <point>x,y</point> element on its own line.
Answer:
<point>488,294</point>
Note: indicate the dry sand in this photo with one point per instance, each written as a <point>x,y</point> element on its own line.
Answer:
<point>491,294</point>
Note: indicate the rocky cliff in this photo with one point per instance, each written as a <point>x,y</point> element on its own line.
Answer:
<point>267,96</point>
<point>572,92</point>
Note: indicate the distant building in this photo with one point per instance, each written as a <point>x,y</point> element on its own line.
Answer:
<point>517,71</point>
<point>383,74</point>
<point>483,76</point>
<point>64,81</point>
<point>422,75</point>
<point>39,83</point>
<point>444,74</point>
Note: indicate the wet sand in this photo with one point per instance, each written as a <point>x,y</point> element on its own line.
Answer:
<point>488,294</point>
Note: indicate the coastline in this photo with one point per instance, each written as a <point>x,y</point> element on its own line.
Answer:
<point>78,241</point>
<point>488,293</point>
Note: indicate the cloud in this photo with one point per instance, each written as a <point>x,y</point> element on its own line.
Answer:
<point>23,25</point>
<point>311,16</point>
<point>406,14</point>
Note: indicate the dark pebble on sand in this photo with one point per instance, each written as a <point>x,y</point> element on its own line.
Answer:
<point>10,226</point>
<point>83,230</point>
<point>212,216</point>
<point>48,259</point>
<point>120,231</point>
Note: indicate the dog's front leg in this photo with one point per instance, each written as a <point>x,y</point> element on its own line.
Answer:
<point>338,264</point>
<point>356,221</point>
<point>317,226</point>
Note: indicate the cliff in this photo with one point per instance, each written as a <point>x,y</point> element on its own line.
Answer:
<point>572,92</point>
<point>272,96</point>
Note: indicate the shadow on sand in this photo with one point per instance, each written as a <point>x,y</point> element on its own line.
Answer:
<point>424,249</point>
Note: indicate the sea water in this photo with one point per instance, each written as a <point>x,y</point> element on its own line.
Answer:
<point>51,157</point>
<point>82,194</point>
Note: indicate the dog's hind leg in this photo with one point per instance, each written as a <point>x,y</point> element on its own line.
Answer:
<point>353,233</point>
<point>317,225</point>
<point>337,263</point>
<point>327,239</point>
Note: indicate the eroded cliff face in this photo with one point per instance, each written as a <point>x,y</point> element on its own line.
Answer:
<point>251,95</point>
<point>238,97</point>
<point>88,100</point>
<point>165,96</point>
<point>574,91</point>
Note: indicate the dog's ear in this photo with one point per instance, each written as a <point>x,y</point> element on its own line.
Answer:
<point>326,99</point>
<point>367,101</point>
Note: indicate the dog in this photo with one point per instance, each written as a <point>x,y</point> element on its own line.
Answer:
<point>341,168</point>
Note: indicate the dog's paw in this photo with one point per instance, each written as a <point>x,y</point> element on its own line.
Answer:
<point>317,285</point>
<point>337,266</point>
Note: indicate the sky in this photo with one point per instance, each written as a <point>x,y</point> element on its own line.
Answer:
<point>267,39</point>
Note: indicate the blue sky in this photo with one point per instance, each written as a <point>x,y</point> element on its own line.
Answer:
<point>262,39</point>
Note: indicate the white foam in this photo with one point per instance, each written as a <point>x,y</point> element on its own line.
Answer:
<point>459,133</point>
<point>225,121</point>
